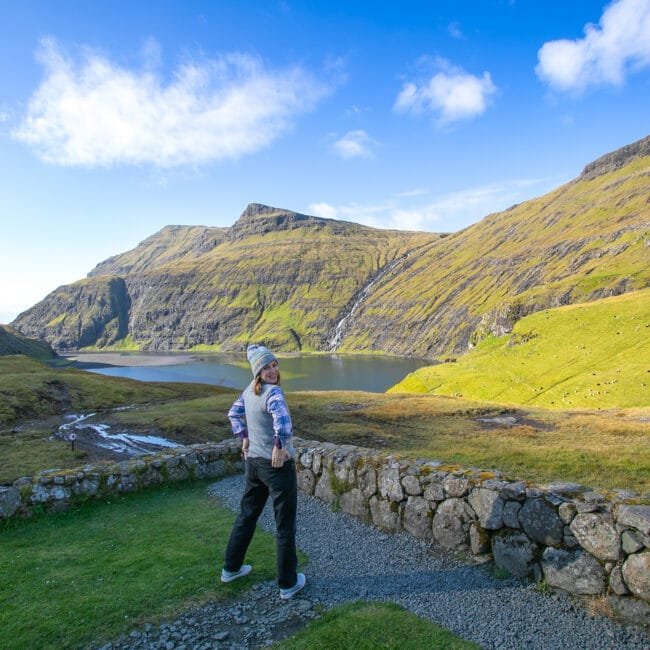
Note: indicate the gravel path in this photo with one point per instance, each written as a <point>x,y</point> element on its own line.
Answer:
<point>352,561</point>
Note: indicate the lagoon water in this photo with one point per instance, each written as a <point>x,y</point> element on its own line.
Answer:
<point>304,372</point>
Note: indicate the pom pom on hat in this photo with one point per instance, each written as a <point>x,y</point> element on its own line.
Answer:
<point>259,356</point>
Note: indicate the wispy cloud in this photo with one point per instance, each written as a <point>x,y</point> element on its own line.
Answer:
<point>355,144</point>
<point>451,94</point>
<point>607,53</point>
<point>455,30</point>
<point>93,112</point>
<point>418,191</point>
<point>446,212</point>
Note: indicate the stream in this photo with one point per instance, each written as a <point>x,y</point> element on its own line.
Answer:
<point>77,429</point>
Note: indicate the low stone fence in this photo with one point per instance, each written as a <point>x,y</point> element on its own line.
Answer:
<point>55,489</point>
<point>574,539</point>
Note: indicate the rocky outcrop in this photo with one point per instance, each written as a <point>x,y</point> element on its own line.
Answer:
<point>613,161</point>
<point>93,312</point>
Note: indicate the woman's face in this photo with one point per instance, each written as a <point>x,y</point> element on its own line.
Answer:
<point>270,373</point>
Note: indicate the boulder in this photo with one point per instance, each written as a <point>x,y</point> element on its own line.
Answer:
<point>567,512</point>
<point>389,484</point>
<point>513,491</point>
<point>635,517</point>
<point>515,553</point>
<point>367,480</point>
<point>434,492</point>
<point>306,481</point>
<point>451,523</point>
<point>411,485</point>
<point>510,511</point>
<point>323,489</point>
<point>597,534</point>
<point>479,539</point>
<point>632,541</point>
<point>385,514</point>
<point>636,573</point>
<point>488,505</point>
<point>616,582</point>
<point>418,517</point>
<point>541,522</point>
<point>574,571</point>
<point>355,503</point>
<point>456,487</point>
<point>632,610</point>
<point>9,501</point>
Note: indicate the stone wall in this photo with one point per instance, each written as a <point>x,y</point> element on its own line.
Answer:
<point>574,539</point>
<point>55,489</point>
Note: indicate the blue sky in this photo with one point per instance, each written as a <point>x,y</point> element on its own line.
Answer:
<point>118,118</point>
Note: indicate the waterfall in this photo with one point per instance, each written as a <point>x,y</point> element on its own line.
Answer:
<point>358,298</point>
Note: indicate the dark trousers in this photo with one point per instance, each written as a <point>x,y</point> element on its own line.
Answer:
<point>280,484</point>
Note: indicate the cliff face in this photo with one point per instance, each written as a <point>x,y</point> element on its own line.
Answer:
<point>92,312</point>
<point>299,282</point>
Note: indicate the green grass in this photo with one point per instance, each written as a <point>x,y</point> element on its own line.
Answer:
<point>608,449</point>
<point>590,355</point>
<point>91,574</point>
<point>29,451</point>
<point>367,626</point>
<point>30,389</point>
<point>13,342</point>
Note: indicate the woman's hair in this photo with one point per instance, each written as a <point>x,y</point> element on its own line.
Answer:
<point>257,388</point>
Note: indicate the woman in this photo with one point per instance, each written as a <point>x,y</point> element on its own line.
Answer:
<point>261,419</point>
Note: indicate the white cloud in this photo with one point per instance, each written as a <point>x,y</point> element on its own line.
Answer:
<point>454,30</point>
<point>445,213</point>
<point>606,54</point>
<point>355,144</point>
<point>324,210</point>
<point>95,113</point>
<point>452,94</point>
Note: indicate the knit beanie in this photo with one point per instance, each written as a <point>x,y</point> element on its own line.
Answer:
<point>259,356</point>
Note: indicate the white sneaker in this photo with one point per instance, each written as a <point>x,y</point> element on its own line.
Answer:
<point>285,594</point>
<point>229,576</point>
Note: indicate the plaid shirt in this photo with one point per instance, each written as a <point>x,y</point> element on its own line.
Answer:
<point>275,405</point>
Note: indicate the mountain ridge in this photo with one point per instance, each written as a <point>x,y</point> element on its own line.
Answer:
<point>289,279</point>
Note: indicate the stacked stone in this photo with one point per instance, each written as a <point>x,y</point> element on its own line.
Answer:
<point>55,489</point>
<point>574,539</point>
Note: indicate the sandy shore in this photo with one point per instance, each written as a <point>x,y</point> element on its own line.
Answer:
<point>130,359</point>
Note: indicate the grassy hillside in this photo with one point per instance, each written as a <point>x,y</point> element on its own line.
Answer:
<point>13,342</point>
<point>30,389</point>
<point>594,355</point>
<point>586,240</point>
<point>610,449</point>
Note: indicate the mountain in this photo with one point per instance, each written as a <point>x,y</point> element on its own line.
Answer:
<point>13,342</point>
<point>586,240</point>
<point>300,282</point>
<point>275,276</point>
<point>588,355</point>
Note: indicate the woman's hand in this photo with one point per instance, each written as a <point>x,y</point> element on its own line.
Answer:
<point>244,447</point>
<point>278,456</point>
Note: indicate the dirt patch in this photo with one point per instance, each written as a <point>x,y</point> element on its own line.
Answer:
<point>513,419</point>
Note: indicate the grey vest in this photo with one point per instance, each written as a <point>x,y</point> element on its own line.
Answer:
<point>260,423</point>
